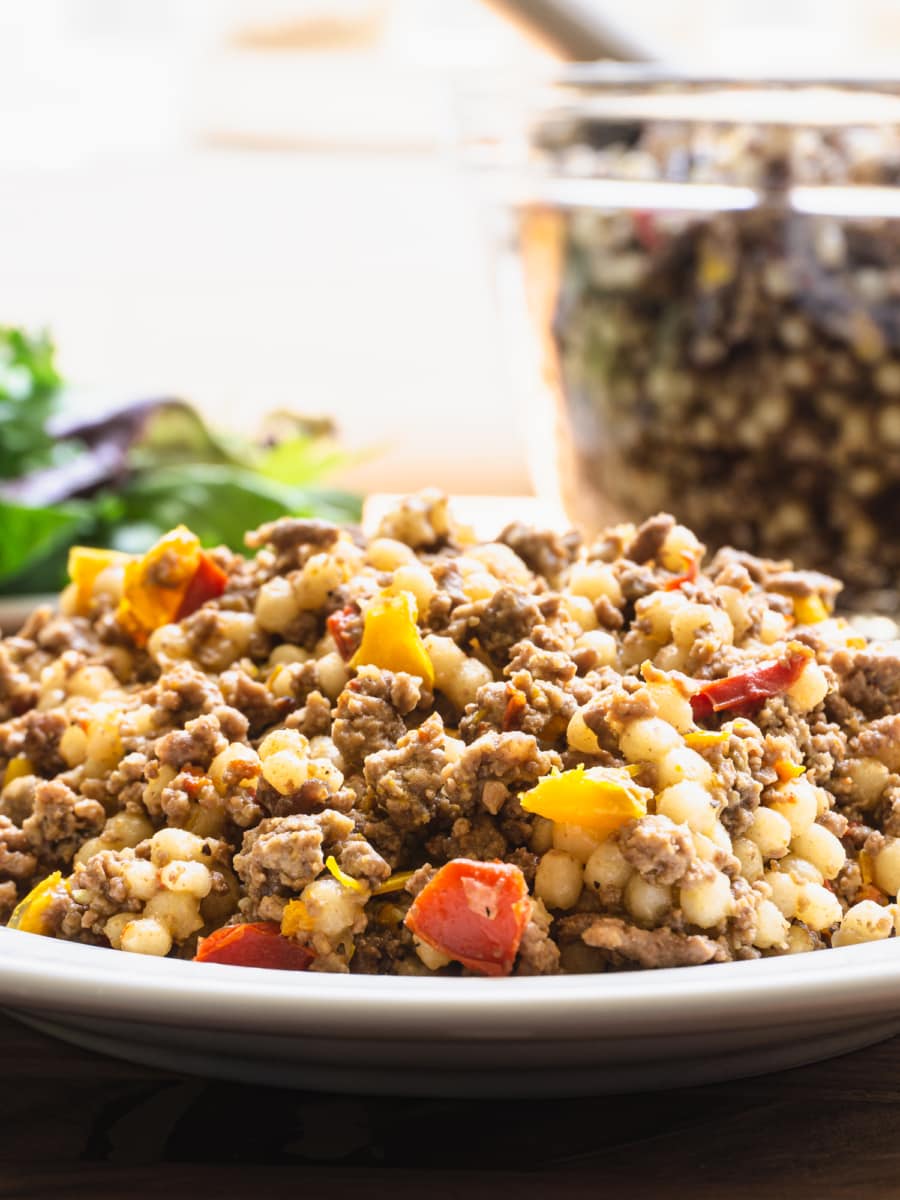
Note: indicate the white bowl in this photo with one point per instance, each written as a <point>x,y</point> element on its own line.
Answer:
<point>457,1037</point>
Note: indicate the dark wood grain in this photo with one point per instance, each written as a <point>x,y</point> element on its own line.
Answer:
<point>75,1124</point>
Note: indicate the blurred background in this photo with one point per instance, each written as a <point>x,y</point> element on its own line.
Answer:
<point>256,203</point>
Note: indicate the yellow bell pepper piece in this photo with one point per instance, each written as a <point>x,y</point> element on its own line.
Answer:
<point>809,610</point>
<point>396,883</point>
<point>866,869</point>
<point>16,768</point>
<point>702,739</point>
<point>28,915</point>
<point>85,564</point>
<point>391,638</point>
<point>295,919</point>
<point>600,799</point>
<point>345,880</point>
<point>786,770</point>
<point>155,584</point>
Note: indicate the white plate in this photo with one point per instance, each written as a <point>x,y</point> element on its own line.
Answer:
<point>457,1037</point>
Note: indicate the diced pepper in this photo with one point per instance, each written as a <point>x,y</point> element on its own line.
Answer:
<point>295,919</point>
<point>391,638</point>
<point>347,881</point>
<point>601,799</point>
<point>871,892</point>
<point>786,770</point>
<point>516,705</point>
<point>29,914</point>
<point>156,584</point>
<point>866,868</point>
<point>172,580</point>
<point>208,582</point>
<point>17,768</point>
<point>343,626</point>
<point>396,883</point>
<point>703,739</point>
<point>692,570</point>
<point>256,945</point>
<point>809,610</point>
<point>389,915</point>
<point>750,688</point>
<point>85,564</point>
<point>475,913</point>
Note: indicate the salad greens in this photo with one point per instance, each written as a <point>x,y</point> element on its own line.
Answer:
<point>124,478</point>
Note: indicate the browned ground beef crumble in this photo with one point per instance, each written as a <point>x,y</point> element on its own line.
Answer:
<point>204,778</point>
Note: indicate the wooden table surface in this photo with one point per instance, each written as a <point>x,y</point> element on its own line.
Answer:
<point>74,1124</point>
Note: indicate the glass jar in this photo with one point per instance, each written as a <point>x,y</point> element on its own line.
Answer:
<point>711,276</point>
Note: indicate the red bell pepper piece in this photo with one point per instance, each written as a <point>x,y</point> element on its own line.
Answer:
<point>690,576</point>
<point>207,582</point>
<point>474,912</point>
<point>750,688</point>
<point>345,626</point>
<point>255,945</point>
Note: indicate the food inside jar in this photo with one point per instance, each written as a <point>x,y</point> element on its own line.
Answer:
<point>720,325</point>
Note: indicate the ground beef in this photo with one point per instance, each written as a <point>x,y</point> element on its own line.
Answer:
<point>17,798</point>
<point>636,581</point>
<point>658,848</point>
<point>848,882</point>
<point>198,743</point>
<point>469,837</point>
<point>497,624</point>
<point>650,538</point>
<point>60,822</point>
<point>314,718</point>
<point>369,713</point>
<point>405,781</point>
<point>626,706</point>
<point>293,539</point>
<point>514,760</point>
<point>18,692</point>
<point>543,551</point>
<point>17,858</point>
<point>283,854</point>
<point>805,584</point>
<point>822,744</point>
<point>888,809</point>
<point>834,822</point>
<point>739,768</point>
<point>8,900</point>
<point>97,890</point>
<point>123,786</point>
<point>255,701</point>
<point>880,739</point>
<point>41,732</point>
<point>550,666</point>
<point>869,679</point>
<point>182,693</point>
<point>651,948</point>
<point>538,953</point>
<point>386,947</point>
<point>525,704</point>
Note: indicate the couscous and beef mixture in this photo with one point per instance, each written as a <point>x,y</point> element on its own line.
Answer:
<point>418,753</point>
